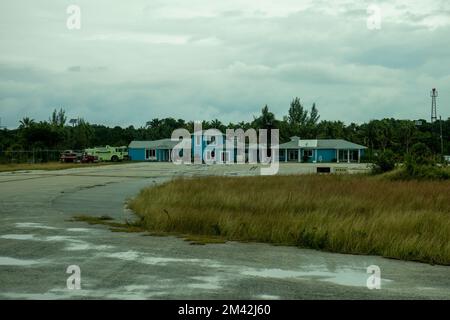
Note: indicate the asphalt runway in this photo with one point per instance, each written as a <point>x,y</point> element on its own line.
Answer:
<point>38,243</point>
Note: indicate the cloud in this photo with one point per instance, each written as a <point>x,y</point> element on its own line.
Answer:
<point>207,59</point>
<point>74,69</point>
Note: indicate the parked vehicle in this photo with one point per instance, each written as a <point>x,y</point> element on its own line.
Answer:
<point>109,153</point>
<point>87,158</point>
<point>70,156</point>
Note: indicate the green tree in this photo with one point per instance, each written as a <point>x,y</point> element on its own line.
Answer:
<point>297,115</point>
<point>81,135</point>
<point>26,123</point>
<point>421,154</point>
<point>58,118</point>
<point>266,120</point>
<point>385,161</point>
<point>314,116</point>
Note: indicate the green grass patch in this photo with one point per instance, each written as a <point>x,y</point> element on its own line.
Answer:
<point>110,222</point>
<point>408,220</point>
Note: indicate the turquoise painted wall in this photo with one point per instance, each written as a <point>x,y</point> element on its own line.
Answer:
<point>136,154</point>
<point>326,155</point>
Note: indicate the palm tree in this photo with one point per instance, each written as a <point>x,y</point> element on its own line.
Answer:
<point>217,124</point>
<point>26,123</point>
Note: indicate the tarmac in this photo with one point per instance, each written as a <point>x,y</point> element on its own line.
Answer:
<point>38,242</point>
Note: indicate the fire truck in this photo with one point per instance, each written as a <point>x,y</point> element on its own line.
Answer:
<point>109,153</point>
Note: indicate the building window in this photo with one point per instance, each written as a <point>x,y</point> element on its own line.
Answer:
<point>308,153</point>
<point>150,153</point>
<point>293,155</point>
<point>343,155</point>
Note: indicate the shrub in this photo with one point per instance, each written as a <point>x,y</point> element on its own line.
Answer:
<point>421,155</point>
<point>420,165</point>
<point>384,162</point>
<point>413,170</point>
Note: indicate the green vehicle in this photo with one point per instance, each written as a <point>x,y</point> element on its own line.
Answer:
<point>109,153</point>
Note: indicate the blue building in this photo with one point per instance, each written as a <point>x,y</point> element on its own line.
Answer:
<point>158,150</point>
<point>320,150</point>
<point>161,150</point>
<point>296,150</point>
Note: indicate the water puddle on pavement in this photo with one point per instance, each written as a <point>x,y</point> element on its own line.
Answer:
<point>7,261</point>
<point>33,225</point>
<point>18,237</point>
<point>72,244</point>
<point>267,297</point>
<point>346,277</point>
<point>151,260</point>
<point>206,283</point>
<point>78,230</point>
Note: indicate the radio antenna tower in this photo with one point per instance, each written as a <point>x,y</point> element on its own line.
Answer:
<point>434,95</point>
<point>1,127</point>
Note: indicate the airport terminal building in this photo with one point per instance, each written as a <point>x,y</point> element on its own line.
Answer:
<point>296,150</point>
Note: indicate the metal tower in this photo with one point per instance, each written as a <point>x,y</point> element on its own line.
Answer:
<point>434,95</point>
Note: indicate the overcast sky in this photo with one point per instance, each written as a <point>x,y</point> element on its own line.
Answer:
<point>133,61</point>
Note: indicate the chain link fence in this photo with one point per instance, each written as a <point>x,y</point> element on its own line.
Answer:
<point>29,156</point>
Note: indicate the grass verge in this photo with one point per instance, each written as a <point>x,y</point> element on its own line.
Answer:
<point>137,226</point>
<point>110,222</point>
<point>408,220</point>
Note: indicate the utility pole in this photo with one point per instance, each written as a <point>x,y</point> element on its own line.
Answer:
<point>434,95</point>
<point>442,139</point>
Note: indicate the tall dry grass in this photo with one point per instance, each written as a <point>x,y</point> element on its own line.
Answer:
<point>407,220</point>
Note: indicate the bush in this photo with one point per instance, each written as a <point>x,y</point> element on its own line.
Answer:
<point>420,165</point>
<point>421,155</point>
<point>413,170</point>
<point>384,162</point>
<point>421,173</point>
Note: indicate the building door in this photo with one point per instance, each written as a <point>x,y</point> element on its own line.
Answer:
<point>150,154</point>
<point>354,156</point>
<point>292,155</point>
<point>307,155</point>
<point>342,156</point>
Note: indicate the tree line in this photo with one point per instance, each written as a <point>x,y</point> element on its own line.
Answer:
<point>395,135</point>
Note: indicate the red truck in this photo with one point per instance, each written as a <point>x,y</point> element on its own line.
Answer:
<point>72,156</point>
<point>87,158</point>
